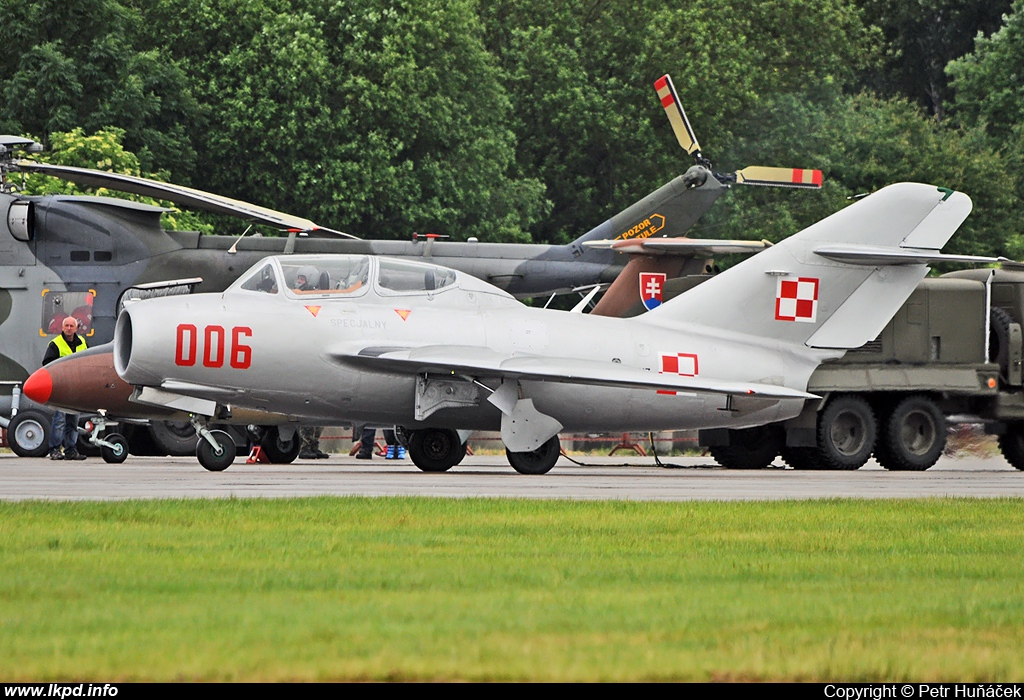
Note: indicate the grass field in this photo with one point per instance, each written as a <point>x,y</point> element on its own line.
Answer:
<point>424,589</point>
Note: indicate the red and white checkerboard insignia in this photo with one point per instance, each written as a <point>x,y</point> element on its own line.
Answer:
<point>682,363</point>
<point>796,299</point>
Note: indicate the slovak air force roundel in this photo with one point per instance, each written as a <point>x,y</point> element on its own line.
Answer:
<point>652,285</point>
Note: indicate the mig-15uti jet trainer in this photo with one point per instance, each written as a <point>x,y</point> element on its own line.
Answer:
<point>76,255</point>
<point>439,354</point>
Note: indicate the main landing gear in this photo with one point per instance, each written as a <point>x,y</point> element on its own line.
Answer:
<point>436,449</point>
<point>440,449</point>
<point>538,461</point>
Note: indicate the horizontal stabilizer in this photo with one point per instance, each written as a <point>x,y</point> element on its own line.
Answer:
<point>480,363</point>
<point>692,247</point>
<point>183,196</point>
<point>870,255</point>
<point>779,177</point>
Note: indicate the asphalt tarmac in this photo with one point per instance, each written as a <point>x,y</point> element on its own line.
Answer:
<point>624,478</point>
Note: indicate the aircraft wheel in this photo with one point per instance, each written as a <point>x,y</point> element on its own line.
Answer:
<point>804,458</point>
<point>435,449</point>
<point>846,433</point>
<point>116,454</point>
<point>280,451</point>
<point>913,437</point>
<point>1011,444</point>
<point>216,460</point>
<point>177,439</point>
<point>29,433</point>
<point>750,448</point>
<point>539,461</point>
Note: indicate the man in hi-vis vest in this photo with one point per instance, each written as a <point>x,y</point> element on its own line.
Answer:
<point>64,428</point>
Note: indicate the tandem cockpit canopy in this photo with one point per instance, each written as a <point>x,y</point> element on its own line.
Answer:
<point>308,275</point>
<point>301,276</point>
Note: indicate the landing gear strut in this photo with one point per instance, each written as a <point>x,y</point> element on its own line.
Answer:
<point>215,450</point>
<point>113,447</point>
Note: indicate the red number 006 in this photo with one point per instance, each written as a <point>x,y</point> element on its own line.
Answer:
<point>186,347</point>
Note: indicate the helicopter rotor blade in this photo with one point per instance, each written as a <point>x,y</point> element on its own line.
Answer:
<point>753,175</point>
<point>676,115</point>
<point>184,196</point>
<point>779,177</point>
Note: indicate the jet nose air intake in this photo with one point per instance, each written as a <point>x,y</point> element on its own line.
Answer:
<point>123,343</point>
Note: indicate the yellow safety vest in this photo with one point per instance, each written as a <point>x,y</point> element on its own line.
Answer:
<point>64,348</point>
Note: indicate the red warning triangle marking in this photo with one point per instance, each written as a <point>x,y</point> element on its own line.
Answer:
<point>313,310</point>
<point>404,313</point>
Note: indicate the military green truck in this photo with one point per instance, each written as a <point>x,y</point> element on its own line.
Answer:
<point>951,354</point>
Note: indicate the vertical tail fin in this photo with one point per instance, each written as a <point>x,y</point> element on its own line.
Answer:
<point>836,283</point>
<point>668,211</point>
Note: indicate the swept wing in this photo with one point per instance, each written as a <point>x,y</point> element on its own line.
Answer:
<point>476,363</point>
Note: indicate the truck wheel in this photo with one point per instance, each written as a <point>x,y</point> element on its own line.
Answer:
<point>999,340</point>
<point>846,433</point>
<point>913,437</point>
<point>1011,444</point>
<point>750,448</point>
<point>29,433</point>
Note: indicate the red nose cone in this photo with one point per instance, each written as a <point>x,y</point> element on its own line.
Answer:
<point>39,386</point>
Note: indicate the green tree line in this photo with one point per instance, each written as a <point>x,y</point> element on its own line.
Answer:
<point>522,120</point>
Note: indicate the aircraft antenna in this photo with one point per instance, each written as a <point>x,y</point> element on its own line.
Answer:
<point>234,246</point>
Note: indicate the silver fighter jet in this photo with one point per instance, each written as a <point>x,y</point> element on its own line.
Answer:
<point>359,339</point>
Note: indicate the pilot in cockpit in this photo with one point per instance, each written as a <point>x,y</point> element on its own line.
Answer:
<point>306,279</point>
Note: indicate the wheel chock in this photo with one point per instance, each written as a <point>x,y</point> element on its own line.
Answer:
<point>256,455</point>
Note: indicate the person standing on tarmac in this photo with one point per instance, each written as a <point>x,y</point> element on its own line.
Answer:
<point>309,440</point>
<point>366,444</point>
<point>64,428</point>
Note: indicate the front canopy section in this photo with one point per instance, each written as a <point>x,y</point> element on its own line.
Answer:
<point>300,276</point>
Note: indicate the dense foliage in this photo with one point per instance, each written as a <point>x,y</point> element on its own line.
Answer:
<point>526,120</point>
